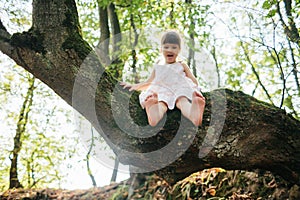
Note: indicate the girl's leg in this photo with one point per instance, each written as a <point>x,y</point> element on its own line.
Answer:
<point>197,108</point>
<point>155,109</point>
<point>193,111</point>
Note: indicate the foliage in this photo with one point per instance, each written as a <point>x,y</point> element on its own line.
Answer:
<point>229,185</point>
<point>212,184</point>
<point>153,187</point>
<point>43,151</point>
<point>259,58</point>
<point>48,141</point>
<point>89,20</point>
<point>216,183</point>
<point>132,17</point>
<point>252,51</point>
<point>198,184</point>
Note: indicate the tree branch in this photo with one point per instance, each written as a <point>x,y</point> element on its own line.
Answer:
<point>255,72</point>
<point>88,156</point>
<point>291,31</point>
<point>5,45</point>
<point>4,34</point>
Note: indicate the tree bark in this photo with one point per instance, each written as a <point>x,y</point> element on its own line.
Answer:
<point>238,131</point>
<point>104,34</point>
<point>117,66</point>
<point>115,24</point>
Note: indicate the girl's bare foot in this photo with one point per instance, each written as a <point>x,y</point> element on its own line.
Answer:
<point>197,109</point>
<point>155,110</point>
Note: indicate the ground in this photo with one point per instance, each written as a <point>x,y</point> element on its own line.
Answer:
<point>209,184</point>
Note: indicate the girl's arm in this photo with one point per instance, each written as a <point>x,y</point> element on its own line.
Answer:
<point>139,86</point>
<point>189,74</point>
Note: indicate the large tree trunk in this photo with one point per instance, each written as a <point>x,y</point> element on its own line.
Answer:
<point>238,132</point>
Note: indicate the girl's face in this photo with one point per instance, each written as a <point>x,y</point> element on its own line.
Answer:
<point>170,52</point>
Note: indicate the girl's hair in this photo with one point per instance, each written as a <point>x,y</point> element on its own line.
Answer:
<point>171,37</point>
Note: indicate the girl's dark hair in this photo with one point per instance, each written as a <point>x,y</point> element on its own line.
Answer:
<point>171,37</point>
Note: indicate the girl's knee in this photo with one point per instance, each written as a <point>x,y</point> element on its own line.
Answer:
<point>152,97</point>
<point>150,101</point>
<point>181,101</point>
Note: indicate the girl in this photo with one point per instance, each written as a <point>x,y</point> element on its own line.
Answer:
<point>170,85</point>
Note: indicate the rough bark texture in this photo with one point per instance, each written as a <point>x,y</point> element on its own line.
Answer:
<point>238,132</point>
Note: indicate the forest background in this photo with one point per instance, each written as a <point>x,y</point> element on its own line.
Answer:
<point>254,45</point>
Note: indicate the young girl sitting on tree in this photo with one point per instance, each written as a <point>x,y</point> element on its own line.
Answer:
<point>170,85</point>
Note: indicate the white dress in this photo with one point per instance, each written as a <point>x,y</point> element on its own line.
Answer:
<point>170,83</point>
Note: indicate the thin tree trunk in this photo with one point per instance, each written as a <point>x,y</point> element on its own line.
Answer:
<point>214,55</point>
<point>21,127</point>
<point>115,26</point>
<point>104,36</point>
<point>116,66</point>
<point>88,156</point>
<point>133,46</point>
<point>295,70</point>
<point>191,56</point>
<point>115,170</point>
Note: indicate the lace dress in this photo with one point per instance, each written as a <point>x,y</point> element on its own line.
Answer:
<point>170,83</point>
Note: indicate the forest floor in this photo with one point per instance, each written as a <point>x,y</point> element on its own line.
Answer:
<point>209,184</point>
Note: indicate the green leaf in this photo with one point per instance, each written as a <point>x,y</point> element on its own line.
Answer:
<point>271,13</point>
<point>266,5</point>
<point>288,102</point>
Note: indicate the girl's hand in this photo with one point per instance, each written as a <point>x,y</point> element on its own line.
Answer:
<point>138,86</point>
<point>127,85</point>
